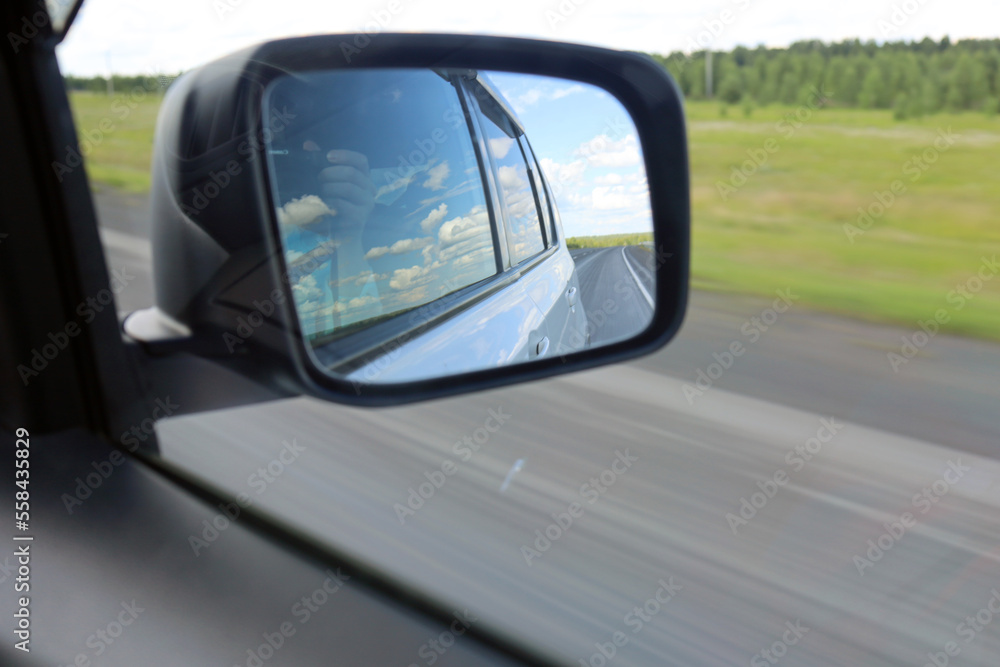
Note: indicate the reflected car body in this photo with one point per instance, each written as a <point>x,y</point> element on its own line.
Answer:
<point>536,314</point>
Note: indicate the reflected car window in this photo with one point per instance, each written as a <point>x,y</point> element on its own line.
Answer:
<point>524,230</point>
<point>379,195</point>
<point>543,200</point>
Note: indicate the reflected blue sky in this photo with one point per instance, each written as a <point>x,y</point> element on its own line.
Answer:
<point>588,149</point>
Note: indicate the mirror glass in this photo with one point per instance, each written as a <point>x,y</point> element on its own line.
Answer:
<point>436,222</point>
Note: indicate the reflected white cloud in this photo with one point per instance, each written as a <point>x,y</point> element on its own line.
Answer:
<point>501,146</point>
<point>436,176</point>
<point>603,151</point>
<point>303,211</point>
<point>434,218</point>
<point>399,247</point>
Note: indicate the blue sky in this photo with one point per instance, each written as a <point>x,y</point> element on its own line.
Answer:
<point>588,148</point>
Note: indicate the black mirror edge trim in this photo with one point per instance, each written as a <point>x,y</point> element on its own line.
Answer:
<point>642,86</point>
<point>652,99</point>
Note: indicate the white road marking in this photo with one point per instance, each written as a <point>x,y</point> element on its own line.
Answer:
<point>638,282</point>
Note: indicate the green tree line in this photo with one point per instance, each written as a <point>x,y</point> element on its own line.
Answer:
<point>121,83</point>
<point>912,78</point>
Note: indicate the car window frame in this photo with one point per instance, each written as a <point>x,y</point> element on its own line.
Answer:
<point>549,210</point>
<point>473,86</point>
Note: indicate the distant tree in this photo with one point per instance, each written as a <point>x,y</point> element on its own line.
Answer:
<point>788,92</point>
<point>967,84</point>
<point>932,97</point>
<point>991,106</point>
<point>847,91</point>
<point>731,88</point>
<point>872,89</point>
<point>901,106</point>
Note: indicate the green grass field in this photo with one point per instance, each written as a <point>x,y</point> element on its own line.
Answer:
<point>116,136</point>
<point>608,240</point>
<point>784,226</point>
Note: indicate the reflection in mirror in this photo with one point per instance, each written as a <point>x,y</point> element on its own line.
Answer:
<point>436,222</point>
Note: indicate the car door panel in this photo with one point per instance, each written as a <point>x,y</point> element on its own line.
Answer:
<point>497,330</point>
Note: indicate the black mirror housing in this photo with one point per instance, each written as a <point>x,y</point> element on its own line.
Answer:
<point>221,279</point>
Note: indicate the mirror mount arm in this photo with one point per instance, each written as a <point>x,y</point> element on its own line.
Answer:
<point>189,369</point>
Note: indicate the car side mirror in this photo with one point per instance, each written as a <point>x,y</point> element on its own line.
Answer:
<point>427,216</point>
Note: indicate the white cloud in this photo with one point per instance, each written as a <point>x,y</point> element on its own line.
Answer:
<point>436,176</point>
<point>434,218</point>
<point>538,94</point>
<point>303,211</point>
<point>467,236</point>
<point>358,303</point>
<point>511,178</point>
<point>400,247</point>
<point>307,289</point>
<point>616,197</point>
<point>609,179</point>
<point>405,278</point>
<point>560,93</point>
<point>603,151</point>
<point>358,279</point>
<point>562,174</point>
<point>460,229</point>
<point>501,146</point>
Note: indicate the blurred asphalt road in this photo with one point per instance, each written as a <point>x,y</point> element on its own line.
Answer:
<point>615,276</point>
<point>809,425</point>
